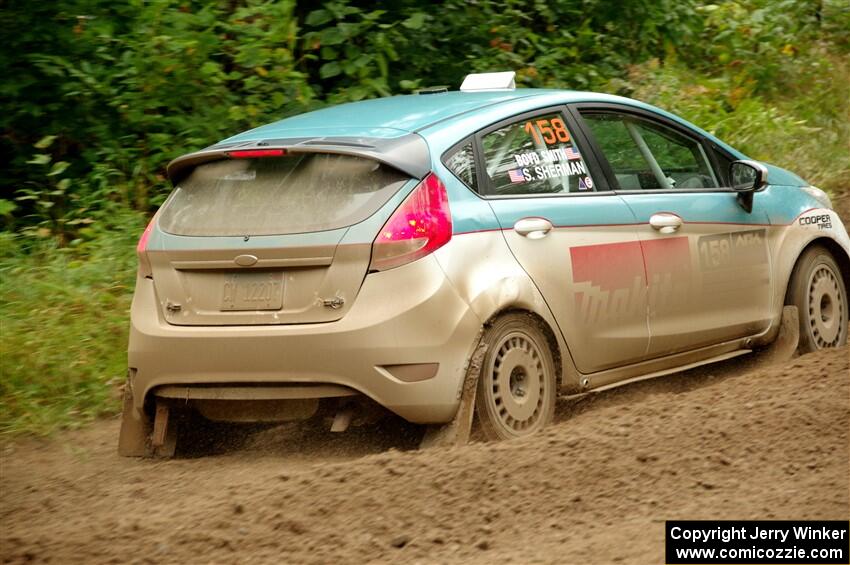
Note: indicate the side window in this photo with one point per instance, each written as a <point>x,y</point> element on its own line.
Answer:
<point>647,156</point>
<point>534,156</point>
<point>462,164</point>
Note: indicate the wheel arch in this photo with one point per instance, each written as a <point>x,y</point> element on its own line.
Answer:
<point>496,285</point>
<point>837,251</point>
<point>515,292</point>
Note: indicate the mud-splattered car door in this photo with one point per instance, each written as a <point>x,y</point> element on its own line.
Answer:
<point>707,261</point>
<point>577,243</point>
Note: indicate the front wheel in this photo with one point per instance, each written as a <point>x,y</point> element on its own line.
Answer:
<point>819,293</point>
<point>517,385</point>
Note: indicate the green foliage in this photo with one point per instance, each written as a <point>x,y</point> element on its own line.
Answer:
<point>120,89</point>
<point>174,82</point>
<point>805,128</point>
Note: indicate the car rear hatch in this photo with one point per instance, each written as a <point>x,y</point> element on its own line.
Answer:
<point>272,234</point>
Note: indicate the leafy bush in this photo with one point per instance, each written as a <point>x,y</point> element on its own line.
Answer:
<point>770,77</point>
<point>125,87</point>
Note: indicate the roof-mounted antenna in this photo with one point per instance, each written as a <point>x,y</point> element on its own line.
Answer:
<point>433,90</point>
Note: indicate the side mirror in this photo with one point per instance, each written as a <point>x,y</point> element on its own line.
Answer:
<point>746,177</point>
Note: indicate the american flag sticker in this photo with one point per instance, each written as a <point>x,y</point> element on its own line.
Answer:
<point>572,153</point>
<point>516,175</point>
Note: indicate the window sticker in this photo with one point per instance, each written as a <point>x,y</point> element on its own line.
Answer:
<point>241,176</point>
<point>820,221</point>
<point>518,175</point>
<point>550,131</point>
<point>535,156</point>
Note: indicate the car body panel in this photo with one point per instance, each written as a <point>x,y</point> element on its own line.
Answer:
<point>778,176</point>
<point>428,323</point>
<point>286,130</point>
<point>445,116</point>
<point>708,281</point>
<point>783,204</point>
<point>407,152</point>
<point>814,225</point>
<point>590,270</point>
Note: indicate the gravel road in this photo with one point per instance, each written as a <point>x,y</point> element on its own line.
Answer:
<point>596,487</point>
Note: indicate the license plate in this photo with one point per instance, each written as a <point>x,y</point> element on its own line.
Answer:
<point>253,291</point>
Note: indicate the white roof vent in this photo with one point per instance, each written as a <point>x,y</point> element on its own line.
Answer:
<point>489,81</point>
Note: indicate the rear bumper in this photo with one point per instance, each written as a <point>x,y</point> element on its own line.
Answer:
<point>407,315</point>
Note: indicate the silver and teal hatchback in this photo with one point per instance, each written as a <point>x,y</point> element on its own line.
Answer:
<point>497,245</point>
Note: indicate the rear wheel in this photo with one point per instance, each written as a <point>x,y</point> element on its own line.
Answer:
<point>819,293</point>
<point>517,385</point>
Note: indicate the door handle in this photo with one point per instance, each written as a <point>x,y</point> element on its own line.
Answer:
<point>533,228</point>
<point>665,223</point>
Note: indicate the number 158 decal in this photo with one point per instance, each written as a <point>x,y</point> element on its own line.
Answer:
<point>552,131</point>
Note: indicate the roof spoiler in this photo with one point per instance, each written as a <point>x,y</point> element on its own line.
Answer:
<point>408,153</point>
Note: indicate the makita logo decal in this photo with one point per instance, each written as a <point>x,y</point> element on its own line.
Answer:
<point>823,221</point>
<point>616,282</point>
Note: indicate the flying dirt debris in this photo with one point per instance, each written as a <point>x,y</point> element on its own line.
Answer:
<point>595,487</point>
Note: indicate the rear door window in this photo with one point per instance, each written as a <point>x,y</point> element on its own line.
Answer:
<point>534,155</point>
<point>645,155</point>
<point>299,193</point>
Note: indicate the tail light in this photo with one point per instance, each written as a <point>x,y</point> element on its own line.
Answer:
<point>421,225</point>
<point>255,153</point>
<point>141,247</point>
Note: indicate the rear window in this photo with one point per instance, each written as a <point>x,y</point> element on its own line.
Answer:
<point>276,196</point>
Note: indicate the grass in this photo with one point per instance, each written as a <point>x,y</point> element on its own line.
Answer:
<point>63,328</point>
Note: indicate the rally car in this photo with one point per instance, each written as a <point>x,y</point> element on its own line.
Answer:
<point>518,243</point>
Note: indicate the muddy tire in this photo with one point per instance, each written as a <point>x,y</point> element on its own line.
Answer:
<point>517,385</point>
<point>820,295</point>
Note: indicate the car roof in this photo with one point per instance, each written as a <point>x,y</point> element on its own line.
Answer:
<point>394,116</point>
<point>433,114</point>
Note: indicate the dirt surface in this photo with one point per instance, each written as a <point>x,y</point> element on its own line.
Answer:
<point>596,487</point>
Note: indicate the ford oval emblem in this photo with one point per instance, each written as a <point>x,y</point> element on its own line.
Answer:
<point>245,260</point>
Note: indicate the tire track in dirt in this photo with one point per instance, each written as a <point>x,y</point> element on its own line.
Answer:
<point>595,487</point>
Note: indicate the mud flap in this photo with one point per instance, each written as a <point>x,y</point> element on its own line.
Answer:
<point>134,434</point>
<point>456,432</point>
<point>784,347</point>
